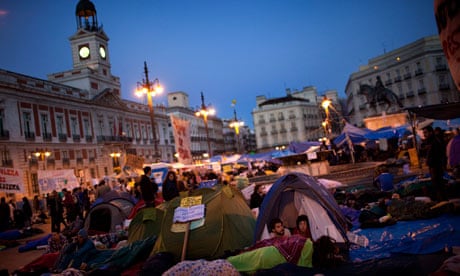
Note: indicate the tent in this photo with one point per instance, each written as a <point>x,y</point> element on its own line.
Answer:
<point>146,223</point>
<point>228,224</point>
<point>105,216</point>
<point>295,194</point>
<point>351,133</point>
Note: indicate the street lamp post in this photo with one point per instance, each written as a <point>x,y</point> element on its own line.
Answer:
<point>236,125</point>
<point>150,88</point>
<point>204,112</point>
<point>327,123</point>
<point>42,155</point>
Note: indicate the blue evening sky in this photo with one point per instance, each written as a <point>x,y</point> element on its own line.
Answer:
<point>229,49</point>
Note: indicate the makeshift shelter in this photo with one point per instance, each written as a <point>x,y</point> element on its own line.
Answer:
<point>105,216</point>
<point>228,224</point>
<point>295,194</point>
<point>352,134</point>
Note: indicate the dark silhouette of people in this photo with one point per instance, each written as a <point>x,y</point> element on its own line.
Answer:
<point>149,188</point>
<point>435,160</point>
<point>170,189</point>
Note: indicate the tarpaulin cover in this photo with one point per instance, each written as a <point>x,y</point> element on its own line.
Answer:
<point>409,237</point>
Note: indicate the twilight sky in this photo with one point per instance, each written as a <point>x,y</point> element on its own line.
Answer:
<point>229,49</point>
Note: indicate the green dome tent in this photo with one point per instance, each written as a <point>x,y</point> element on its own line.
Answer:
<point>228,225</point>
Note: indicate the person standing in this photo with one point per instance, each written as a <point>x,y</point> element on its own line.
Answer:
<point>257,197</point>
<point>4,215</point>
<point>148,187</point>
<point>27,211</point>
<point>55,210</point>
<point>435,160</point>
<point>170,189</point>
<point>453,153</point>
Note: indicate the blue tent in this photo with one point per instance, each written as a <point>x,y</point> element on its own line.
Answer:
<point>294,194</point>
<point>355,134</point>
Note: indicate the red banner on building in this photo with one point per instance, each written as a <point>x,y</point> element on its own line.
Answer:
<point>181,130</point>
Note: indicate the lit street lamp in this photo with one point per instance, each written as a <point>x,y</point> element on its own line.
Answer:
<point>150,88</point>
<point>42,155</point>
<point>236,125</point>
<point>327,123</point>
<point>204,112</point>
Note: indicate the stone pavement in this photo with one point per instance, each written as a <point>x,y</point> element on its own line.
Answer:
<point>12,260</point>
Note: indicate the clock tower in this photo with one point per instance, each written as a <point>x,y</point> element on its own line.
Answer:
<point>90,55</point>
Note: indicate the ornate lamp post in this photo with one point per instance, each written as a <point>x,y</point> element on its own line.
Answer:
<point>236,125</point>
<point>327,123</point>
<point>204,112</point>
<point>42,155</point>
<point>151,89</point>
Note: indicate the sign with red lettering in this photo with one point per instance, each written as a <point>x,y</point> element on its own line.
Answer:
<point>11,180</point>
<point>181,130</point>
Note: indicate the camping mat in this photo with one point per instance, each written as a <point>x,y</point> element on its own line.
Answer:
<point>409,237</point>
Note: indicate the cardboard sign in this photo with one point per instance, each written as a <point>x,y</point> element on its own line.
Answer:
<point>191,201</point>
<point>182,214</point>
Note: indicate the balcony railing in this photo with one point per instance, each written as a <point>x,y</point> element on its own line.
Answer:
<point>7,163</point>
<point>30,136</point>
<point>261,122</point>
<point>65,162</point>
<point>263,133</point>
<point>441,67</point>
<point>388,82</point>
<point>398,79</point>
<point>62,137</point>
<point>421,91</point>
<point>407,76</point>
<point>76,138</point>
<point>89,138</point>
<point>4,134</point>
<point>410,94</point>
<point>444,86</point>
<point>79,161</point>
<point>418,72</point>
<point>47,136</point>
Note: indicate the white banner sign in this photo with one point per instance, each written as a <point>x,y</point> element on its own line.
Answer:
<point>181,130</point>
<point>11,180</point>
<point>185,214</point>
<point>50,180</point>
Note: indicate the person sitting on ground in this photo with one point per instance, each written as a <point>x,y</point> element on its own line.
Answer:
<point>56,242</point>
<point>76,254</point>
<point>72,229</point>
<point>303,227</point>
<point>277,229</point>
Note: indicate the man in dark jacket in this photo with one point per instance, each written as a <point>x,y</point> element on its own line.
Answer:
<point>149,188</point>
<point>436,161</point>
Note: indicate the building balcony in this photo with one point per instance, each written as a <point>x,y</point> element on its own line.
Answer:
<point>92,160</point>
<point>62,137</point>
<point>441,67</point>
<point>407,76</point>
<point>397,79</point>
<point>76,138</point>
<point>294,129</point>
<point>89,138</point>
<point>291,117</point>
<point>388,82</point>
<point>283,130</point>
<point>261,122</point>
<point>65,162</point>
<point>444,86</point>
<point>401,97</point>
<point>418,72</point>
<point>272,120</point>
<point>4,134</point>
<point>80,161</point>
<point>263,133</point>
<point>47,136</point>
<point>30,136</point>
<point>273,132</point>
<point>421,91</point>
<point>410,94</point>
<point>7,163</point>
<point>281,119</point>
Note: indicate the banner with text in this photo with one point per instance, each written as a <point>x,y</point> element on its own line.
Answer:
<point>11,180</point>
<point>50,180</point>
<point>182,139</point>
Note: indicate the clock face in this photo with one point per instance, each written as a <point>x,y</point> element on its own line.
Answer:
<point>84,52</point>
<point>102,51</point>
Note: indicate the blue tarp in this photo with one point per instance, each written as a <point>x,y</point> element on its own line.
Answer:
<point>388,132</point>
<point>300,147</point>
<point>409,237</point>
